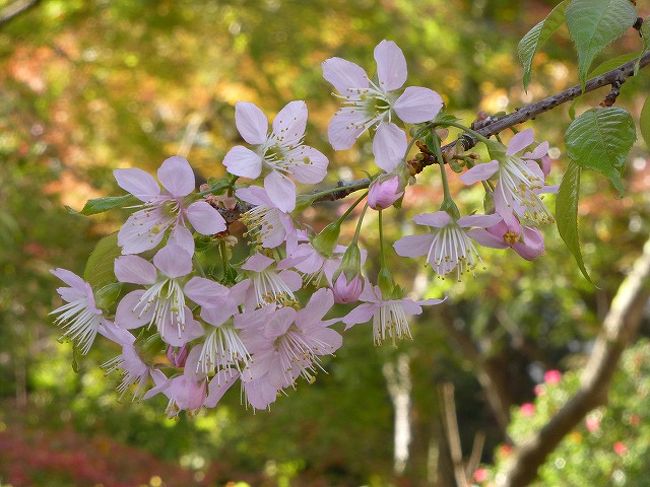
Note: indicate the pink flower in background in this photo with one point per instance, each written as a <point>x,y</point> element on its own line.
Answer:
<point>449,245</point>
<point>620,448</point>
<point>527,409</point>
<point>592,422</point>
<point>519,181</point>
<point>383,193</point>
<point>268,284</point>
<point>389,316</point>
<point>481,474</point>
<point>79,317</point>
<point>163,302</point>
<point>528,242</point>
<point>367,104</point>
<point>281,151</point>
<point>267,224</point>
<point>167,209</point>
<point>552,377</point>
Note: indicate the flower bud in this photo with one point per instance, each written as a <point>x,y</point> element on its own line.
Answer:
<point>384,192</point>
<point>177,355</point>
<point>347,291</point>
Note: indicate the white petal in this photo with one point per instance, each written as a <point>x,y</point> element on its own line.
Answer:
<point>251,122</point>
<point>391,65</point>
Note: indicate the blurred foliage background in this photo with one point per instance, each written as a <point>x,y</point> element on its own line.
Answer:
<point>91,85</point>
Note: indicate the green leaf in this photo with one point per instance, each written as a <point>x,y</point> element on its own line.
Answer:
<point>566,214</point>
<point>537,37</point>
<point>600,139</point>
<point>100,205</point>
<point>594,24</point>
<point>99,266</point>
<point>613,63</point>
<point>644,121</point>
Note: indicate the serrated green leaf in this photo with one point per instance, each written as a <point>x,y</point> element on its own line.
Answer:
<point>99,266</point>
<point>566,214</point>
<point>600,139</point>
<point>537,37</point>
<point>644,122</point>
<point>594,24</point>
<point>613,63</point>
<point>100,205</point>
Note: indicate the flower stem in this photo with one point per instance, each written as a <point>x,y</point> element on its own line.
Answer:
<point>460,126</point>
<point>353,206</point>
<point>355,239</point>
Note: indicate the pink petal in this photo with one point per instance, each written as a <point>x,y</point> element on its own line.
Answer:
<point>536,170</point>
<point>128,319</point>
<point>391,65</point>
<point>70,278</point>
<point>520,141</point>
<point>532,245</point>
<point>257,263</point>
<point>482,221</point>
<point>217,315</point>
<point>480,172</point>
<point>142,231</point>
<point>431,302</point>
<point>205,219</point>
<point>254,195</point>
<point>219,385</point>
<point>251,122</point>
<point>307,164</point>
<point>317,307</point>
<point>191,330</point>
<point>413,245</point>
<point>344,75</point>
<point>281,190</point>
<point>345,128</point>
<point>360,314</point>
<point>139,183</point>
<point>292,279</point>
<point>290,123</point>
<point>173,261</point>
<point>503,205</point>
<point>437,219</point>
<point>418,105</point>
<point>540,151</point>
<point>389,146</point>
<point>204,292</point>
<point>177,176</point>
<point>487,239</point>
<point>182,237</point>
<point>134,270</point>
<point>115,333</point>
<point>243,162</point>
<point>329,341</point>
<point>279,322</point>
<point>410,307</point>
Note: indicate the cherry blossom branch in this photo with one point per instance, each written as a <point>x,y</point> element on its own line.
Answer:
<point>488,127</point>
<point>619,327</point>
<point>15,9</point>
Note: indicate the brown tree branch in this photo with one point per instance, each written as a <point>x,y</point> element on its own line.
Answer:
<point>619,326</point>
<point>15,9</point>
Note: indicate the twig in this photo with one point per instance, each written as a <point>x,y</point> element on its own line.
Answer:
<point>619,326</point>
<point>453,436</point>
<point>13,10</point>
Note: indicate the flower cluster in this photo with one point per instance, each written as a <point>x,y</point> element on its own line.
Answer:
<point>191,320</point>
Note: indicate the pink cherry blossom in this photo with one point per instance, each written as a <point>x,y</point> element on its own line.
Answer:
<point>528,242</point>
<point>389,316</point>
<point>314,266</point>
<point>519,181</point>
<point>79,317</point>
<point>448,246</point>
<point>268,226</point>
<point>367,104</point>
<point>281,152</point>
<point>166,209</point>
<point>384,192</point>
<point>162,303</point>
<point>268,284</point>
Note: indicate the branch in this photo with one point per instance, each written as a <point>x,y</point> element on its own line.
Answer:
<point>492,126</point>
<point>619,327</point>
<point>13,10</point>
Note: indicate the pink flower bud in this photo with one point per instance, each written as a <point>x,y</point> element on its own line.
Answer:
<point>177,355</point>
<point>384,192</point>
<point>527,409</point>
<point>552,376</point>
<point>347,292</point>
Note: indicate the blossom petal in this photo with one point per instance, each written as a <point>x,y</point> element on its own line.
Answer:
<point>292,279</point>
<point>360,314</point>
<point>520,141</point>
<point>281,190</point>
<point>255,195</point>
<point>344,75</point>
<point>482,221</point>
<point>70,278</point>
<point>257,263</point>
<point>413,245</point>
<point>126,317</point>
<point>391,65</point>
<point>290,123</point>
<point>532,245</point>
<point>205,219</point>
<point>487,239</point>
<point>139,183</point>
<point>219,385</point>
<point>170,334</point>
<point>182,237</point>
<point>204,292</point>
<point>389,146</point>
<point>251,122</point>
<point>345,128</point>
<point>176,175</point>
<point>173,261</point>
<point>480,172</point>
<point>142,231</point>
<point>134,269</point>
<point>437,219</point>
<point>418,104</point>
<point>307,164</point>
<point>317,307</point>
<point>243,162</point>
<point>540,151</point>
<point>431,302</point>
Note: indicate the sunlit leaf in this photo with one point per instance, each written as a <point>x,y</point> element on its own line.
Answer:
<point>566,214</point>
<point>537,37</point>
<point>100,205</point>
<point>594,24</point>
<point>99,266</point>
<point>600,139</point>
<point>644,122</point>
